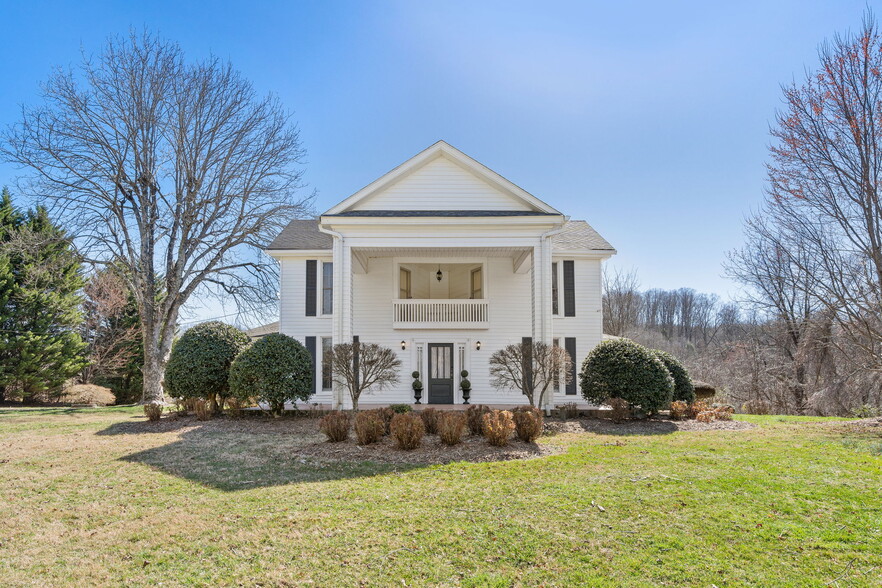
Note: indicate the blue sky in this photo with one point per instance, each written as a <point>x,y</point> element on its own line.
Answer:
<point>648,119</point>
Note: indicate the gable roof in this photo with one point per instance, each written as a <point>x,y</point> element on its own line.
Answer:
<point>577,235</point>
<point>302,234</point>
<point>440,149</point>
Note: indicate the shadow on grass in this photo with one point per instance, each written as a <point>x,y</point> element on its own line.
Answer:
<point>240,454</point>
<point>634,427</point>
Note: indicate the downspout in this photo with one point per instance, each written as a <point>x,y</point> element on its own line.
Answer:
<point>337,320</point>
<point>546,287</point>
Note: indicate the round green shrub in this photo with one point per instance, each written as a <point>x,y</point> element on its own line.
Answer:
<point>683,388</point>
<point>274,370</point>
<point>199,364</point>
<point>623,369</point>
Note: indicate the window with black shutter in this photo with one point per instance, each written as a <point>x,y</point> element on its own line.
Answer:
<point>569,279</point>
<point>311,283</point>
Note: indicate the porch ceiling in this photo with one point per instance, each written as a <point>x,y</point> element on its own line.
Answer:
<point>437,252</point>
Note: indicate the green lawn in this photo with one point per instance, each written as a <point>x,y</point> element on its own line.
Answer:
<point>89,497</point>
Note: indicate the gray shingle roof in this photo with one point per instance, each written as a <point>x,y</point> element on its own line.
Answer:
<point>302,234</point>
<point>577,235</point>
<point>394,213</point>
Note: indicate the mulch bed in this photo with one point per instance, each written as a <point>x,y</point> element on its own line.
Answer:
<point>472,449</point>
<point>654,426</point>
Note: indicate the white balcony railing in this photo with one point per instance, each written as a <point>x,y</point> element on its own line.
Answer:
<point>440,314</point>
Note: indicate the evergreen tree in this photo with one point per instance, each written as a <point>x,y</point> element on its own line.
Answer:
<point>40,285</point>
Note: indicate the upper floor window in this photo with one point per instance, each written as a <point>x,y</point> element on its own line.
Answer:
<point>404,291</point>
<point>327,288</point>
<point>477,284</point>
<point>554,294</point>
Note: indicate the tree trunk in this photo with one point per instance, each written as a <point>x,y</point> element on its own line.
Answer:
<point>157,348</point>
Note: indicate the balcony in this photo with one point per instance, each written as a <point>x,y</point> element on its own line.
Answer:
<point>440,314</point>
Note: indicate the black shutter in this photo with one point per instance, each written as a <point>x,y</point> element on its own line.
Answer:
<point>569,276</point>
<point>570,347</point>
<point>310,346</point>
<point>527,366</point>
<point>311,283</point>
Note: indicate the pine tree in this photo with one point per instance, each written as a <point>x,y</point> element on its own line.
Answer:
<point>40,297</point>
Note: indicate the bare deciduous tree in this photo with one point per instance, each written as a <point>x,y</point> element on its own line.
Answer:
<point>109,336</point>
<point>621,301</point>
<point>176,172</point>
<point>824,180</point>
<point>361,367</point>
<point>531,368</point>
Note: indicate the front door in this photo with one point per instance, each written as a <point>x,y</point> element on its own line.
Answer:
<point>440,373</point>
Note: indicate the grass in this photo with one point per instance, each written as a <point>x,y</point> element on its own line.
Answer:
<point>88,500</point>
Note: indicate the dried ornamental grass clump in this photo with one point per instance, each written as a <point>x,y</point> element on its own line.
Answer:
<point>698,407</point>
<point>528,423</point>
<point>202,408</point>
<point>475,418</point>
<point>430,420</point>
<point>620,409</point>
<point>451,427</point>
<point>153,410</point>
<point>369,427</point>
<point>408,430</point>
<point>498,427</point>
<point>679,410</point>
<point>723,412</point>
<point>568,410</point>
<point>386,413</point>
<point>335,426</point>
<point>706,416</point>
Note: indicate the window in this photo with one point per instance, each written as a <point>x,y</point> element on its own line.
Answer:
<point>404,292</point>
<point>556,343</point>
<point>327,288</point>
<point>327,381</point>
<point>477,284</point>
<point>554,296</point>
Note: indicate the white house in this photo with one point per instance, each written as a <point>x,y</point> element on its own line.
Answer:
<point>444,261</point>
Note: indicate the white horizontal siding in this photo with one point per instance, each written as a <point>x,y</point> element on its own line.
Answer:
<point>292,311</point>
<point>587,325</point>
<point>441,185</point>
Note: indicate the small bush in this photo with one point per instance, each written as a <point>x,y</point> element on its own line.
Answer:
<point>498,427</point>
<point>866,411</point>
<point>683,388</point>
<point>386,413</point>
<point>335,426</point>
<point>620,409</point>
<point>408,430</point>
<point>679,410</point>
<point>623,369</point>
<point>202,408</point>
<point>706,416</point>
<point>756,407</point>
<point>87,394</point>
<point>369,427</point>
<point>451,426</point>
<point>723,412</point>
<point>568,410</point>
<point>274,370</point>
<point>430,419</point>
<point>400,408</point>
<point>153,411</point>
<point>475,418</point>
<point>697,407</point>
<point>528,423</point>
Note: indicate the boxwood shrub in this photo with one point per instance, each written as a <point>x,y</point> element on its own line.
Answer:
<point>623,369</point>
<point>683,389</point>
<point>199,364</point>
<point>274,370</point>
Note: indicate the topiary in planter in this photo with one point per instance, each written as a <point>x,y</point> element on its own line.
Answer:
<point>274,370</point>
<point>623,369</point>
<point>199,364</point>
<point>683,388</point>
